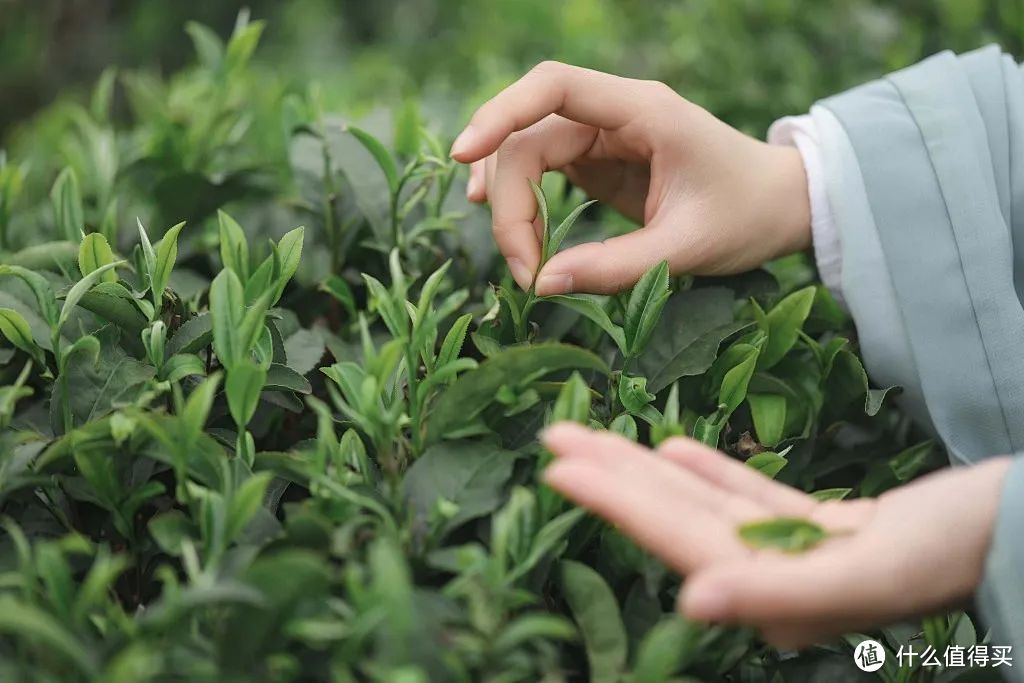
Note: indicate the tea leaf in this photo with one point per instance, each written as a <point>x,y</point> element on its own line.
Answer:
<point>234,247</point>
<point>475,390</point>
<point>193,335</point>
<point>769,414</point>
<point>66,200</point>
<point>824,495</point>
<point>633,393</point>
<point>767,463</point>
<point>592,311</point>
<point>545,219</point>
<point>470,476</point>
<point>787,534</point>
<point>93,253</point>
<point>558,234</point>
<point>668,647</point>
<point>79,290</point>
<point>14,327</point>
<point>646,300</point>
<point>451,347</point>
<point>783,323</point>
<point>573,402</point>
<point>380,155</point>
<point>290,251</point>
<point>166,255</point>
<point>737,379</point>
<point>597,614</point>
<point>113,302</point>
<point>41,290</point>
<point>243,386</point>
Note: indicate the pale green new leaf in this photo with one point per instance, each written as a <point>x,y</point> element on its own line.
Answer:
<point>93,253</point>
<point>243,386</point>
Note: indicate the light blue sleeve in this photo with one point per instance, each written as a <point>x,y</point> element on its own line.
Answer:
<point>925,174</point>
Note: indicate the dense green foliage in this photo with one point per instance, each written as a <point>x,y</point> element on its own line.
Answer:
<point>235,449</point>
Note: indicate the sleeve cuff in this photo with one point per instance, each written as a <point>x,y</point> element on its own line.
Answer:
<point>1001,593</point>
<point>801,132</point>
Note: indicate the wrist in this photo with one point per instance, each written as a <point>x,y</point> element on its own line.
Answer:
<point>792,205</point>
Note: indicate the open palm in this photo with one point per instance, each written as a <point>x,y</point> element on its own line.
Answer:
<point>684,503</point>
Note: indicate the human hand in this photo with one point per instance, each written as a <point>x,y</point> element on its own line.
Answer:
<point>909,552</point>
<point>711,199</point>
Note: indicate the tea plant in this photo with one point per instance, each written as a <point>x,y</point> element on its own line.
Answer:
<point>237,449</point>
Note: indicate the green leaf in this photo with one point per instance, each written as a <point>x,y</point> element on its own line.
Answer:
<point>573,402</point>
<point>737,379</point>
<point>593,311</point>
<point>909,461</point>
<point>197,409</point>
<point>668,647</point>
<point>182,365</point>
<point>148,254</point>
<point>194,334</point>
<point>707,432</point>
<point>207,44</point>
<point>236,328</point>
<point>783,324</point>
<point>283,377</point>
<point>339,289</point>
<point>596,612</point>
<point>79,290</point>
<point>114,303</point>
<point>633,393</point>
<point>768,463</point>
<point>407,128</point>
<point>769,414</point>
<point>824,495</point>
<point>15,328</point>
<point>290,252</point>
<point>166,255</point>
<point>24,622</point>
<point>625,424</point>
<point>380,154</point>
<point>787,534</point>
<point>66,199</point>
<point>234,247</point>
<point>646,300</point>
<point>98,377</point>
<point>243,386</point>
<point>473,391</point>
<point>241,46</point>
<point>531,628</point>
<point>545,219</point>
<point>41,290</point>
<point>245,503</point>
<point>558,234</point>
<point>469,476</point>
<point>93,253</point>
<point>685,342</point>
<point>451,347</point>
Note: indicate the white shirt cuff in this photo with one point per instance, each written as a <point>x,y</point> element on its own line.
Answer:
<point>801,132</point>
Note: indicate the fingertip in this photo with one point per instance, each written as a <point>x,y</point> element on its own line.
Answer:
<point>521,273</point>
<point>562,436</point>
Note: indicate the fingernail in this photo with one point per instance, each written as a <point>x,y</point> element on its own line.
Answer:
<point>462,142</point>
<point>520,273</point>
<point>554,283</point>
<point>705,604</point>
<point>471,187</point>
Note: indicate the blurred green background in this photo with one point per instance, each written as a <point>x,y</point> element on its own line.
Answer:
<point>747,60</point>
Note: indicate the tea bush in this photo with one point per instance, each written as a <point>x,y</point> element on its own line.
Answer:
<point>237,449</point>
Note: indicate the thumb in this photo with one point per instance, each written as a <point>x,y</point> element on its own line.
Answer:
<point>605,267</point>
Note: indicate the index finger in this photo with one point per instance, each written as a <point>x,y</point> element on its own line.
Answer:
<point>582,95</point>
